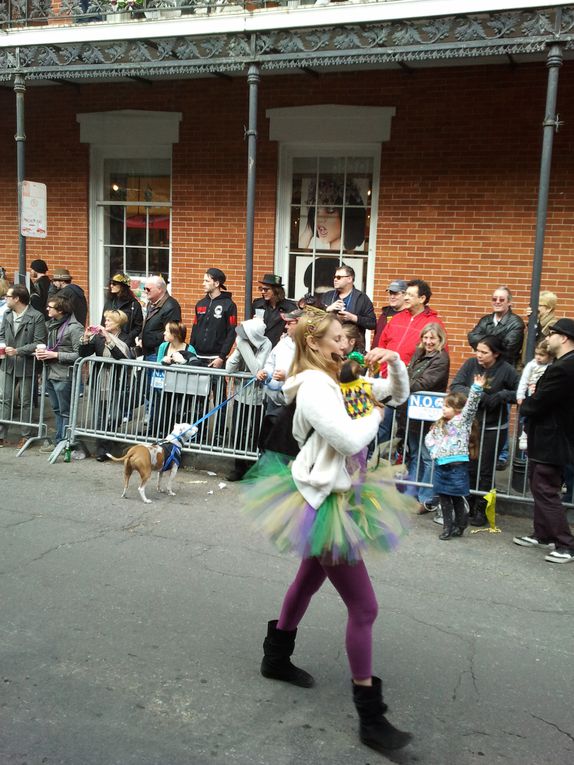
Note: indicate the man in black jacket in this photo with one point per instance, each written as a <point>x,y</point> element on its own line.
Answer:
<point>549,415</point>
<point>161,308</point>
<point>62,285</point>
<point>503,323</point>
<point>40,285</point>
<point>350,304</point>
<point>215,321</point>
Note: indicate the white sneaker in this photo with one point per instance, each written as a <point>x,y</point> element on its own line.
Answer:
<point>560,556</point>
<point>527,541</point>
<point>523,442</point>
<point>438,519</point>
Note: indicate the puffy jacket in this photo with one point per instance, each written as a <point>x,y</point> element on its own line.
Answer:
<point>402,333</point>
<point>213,332</point>
<point>550,413</point>
<point>509,330</point>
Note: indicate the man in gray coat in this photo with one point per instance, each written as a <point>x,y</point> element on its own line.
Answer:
<point>23,327</point>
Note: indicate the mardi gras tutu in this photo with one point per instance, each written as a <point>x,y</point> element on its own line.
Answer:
<point>371,515</point>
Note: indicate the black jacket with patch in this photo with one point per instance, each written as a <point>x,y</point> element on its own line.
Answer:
<point>213,332</point>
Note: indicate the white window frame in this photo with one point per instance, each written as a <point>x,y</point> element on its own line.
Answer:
<point>122,134</point>
<point>98,156</point>
<point>287,153</point>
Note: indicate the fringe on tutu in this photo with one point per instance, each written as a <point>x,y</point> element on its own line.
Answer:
<point>371,515</point>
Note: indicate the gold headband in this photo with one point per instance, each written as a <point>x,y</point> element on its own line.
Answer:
<point>310,316</point>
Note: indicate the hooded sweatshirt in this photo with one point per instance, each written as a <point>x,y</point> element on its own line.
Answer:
<point>320,467</point>
<point>213,332</point>
<point>250,355</point>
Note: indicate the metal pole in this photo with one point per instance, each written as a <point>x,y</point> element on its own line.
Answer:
<point>550,126</point>
<point>20,138</point>
<point>253,79</point>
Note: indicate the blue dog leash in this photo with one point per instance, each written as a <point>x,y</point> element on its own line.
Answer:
<point>217,408</point>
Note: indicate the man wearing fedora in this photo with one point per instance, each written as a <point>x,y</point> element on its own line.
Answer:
<point>550,426</point>
<point>271,306</point>
<point>350,304</point>
<point>62,286</point>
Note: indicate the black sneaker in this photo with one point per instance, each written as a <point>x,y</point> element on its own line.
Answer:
<point>561,555</point>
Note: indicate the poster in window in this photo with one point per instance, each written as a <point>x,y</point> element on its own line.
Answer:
<point>334,213</point>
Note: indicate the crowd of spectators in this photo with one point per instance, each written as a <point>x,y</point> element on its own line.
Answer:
<point>48,323</point>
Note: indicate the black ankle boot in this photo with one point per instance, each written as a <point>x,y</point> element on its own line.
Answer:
<point>278,647</point>
<point>375,730</point>
<point>457,531</point>
<point>448,532</point>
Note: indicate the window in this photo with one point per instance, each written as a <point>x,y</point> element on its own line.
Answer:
<point>136,218</point>
<point>329,221</point>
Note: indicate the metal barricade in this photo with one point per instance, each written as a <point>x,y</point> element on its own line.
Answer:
<point>405,449</point>
<point>22,400</point>
<point>141,401</point>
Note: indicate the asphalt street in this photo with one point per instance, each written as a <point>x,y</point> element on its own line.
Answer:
<point>131,635</point>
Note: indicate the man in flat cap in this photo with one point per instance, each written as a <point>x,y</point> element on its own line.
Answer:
<point>549,416</point>
<point>62,286</point>
<point>272,306</point>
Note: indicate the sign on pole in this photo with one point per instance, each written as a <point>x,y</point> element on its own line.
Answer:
<point>426,406</point>
<point>34,210</point>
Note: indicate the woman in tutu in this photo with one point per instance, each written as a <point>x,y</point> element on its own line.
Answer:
<point>317,508</point>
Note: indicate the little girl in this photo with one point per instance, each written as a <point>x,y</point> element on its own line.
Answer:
<point>531,374</point>
<point>447,442</point>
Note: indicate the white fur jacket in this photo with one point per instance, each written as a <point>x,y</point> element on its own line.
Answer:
<point>320,467</point>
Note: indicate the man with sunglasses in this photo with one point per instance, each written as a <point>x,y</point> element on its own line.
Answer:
<point>503,323</point>
<point>397,292</point>
<point>161,309</point>
<point>550,416</point>
<point>350,304</point>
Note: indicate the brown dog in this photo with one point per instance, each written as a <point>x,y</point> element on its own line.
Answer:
<point>143,458</point>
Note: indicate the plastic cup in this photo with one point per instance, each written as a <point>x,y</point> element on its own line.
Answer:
<point>2,350</point>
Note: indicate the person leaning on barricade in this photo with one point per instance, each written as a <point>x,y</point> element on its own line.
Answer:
<point>21,330</point>
<point>499,390</point>
<point>108,341</point>
<point>64,334</point>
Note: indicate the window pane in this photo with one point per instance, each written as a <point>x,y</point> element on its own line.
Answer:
<point>136,230</point>
<point>136,261</point>
<point>159,262</point>
<point>113,262</point>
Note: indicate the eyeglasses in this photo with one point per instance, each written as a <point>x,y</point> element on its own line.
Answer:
<point>341,276</point>
<point>498,299</point>
<point>147,289</point>
<point>392,292</point>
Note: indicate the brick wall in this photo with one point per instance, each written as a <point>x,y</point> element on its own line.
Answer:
<point>458,192</point>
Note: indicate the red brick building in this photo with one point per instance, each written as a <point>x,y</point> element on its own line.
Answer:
<point>436,144</point>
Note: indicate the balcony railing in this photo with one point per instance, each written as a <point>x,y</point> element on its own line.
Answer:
<point>17,14</point>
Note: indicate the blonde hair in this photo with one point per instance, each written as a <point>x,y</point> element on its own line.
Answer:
<point>439,332</point>
<point>548,299</point>
<point>313,324</point>
<point>543,347</point>
<point>119,317</point>
<point>4,287</point>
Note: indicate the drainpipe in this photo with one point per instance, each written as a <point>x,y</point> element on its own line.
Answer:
<point>550,126</point>
<point>20,138</point>
<point>251,134</point>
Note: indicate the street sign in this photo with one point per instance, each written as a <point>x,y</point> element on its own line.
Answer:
<point>34,210</point>
<point>426,406</point>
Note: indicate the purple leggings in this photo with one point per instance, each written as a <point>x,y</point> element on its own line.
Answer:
<point>355,588</point>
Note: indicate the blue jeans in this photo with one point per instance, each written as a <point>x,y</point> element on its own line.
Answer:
<point>60,394</point>
<point>420,462</point>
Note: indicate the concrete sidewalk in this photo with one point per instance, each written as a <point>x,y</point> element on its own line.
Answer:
<point>132,635</point>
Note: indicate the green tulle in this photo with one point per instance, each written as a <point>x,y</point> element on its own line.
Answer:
<point>371,515</point>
